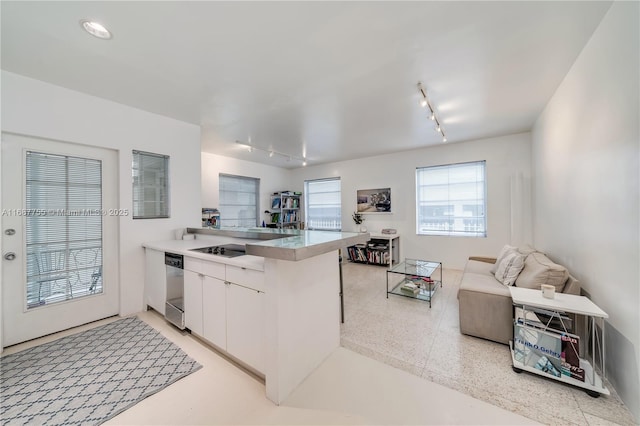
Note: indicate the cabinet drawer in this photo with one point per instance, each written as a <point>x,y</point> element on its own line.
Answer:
<point>246,277</point>
<point>192,264</point>
<point>213,269</point>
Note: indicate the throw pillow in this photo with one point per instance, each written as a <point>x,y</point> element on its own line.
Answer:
<point>538,270</point>
<point>510,268</point>
<point>505,250</point>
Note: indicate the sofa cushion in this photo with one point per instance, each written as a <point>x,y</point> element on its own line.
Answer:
<point>505,251</point>
<point>510,268</point>
<point>483,283</point>
<point>538,270</point>
<point>477,267</point>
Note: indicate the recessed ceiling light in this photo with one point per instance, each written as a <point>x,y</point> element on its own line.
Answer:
<point>96,29</point>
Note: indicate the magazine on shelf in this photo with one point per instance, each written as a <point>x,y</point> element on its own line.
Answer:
<point>570,357</point>
<point>555,353</point>
<point>538,348</point>
<point>539,319</point>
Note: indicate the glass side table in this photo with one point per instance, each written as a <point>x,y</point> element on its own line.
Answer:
<point>419,279</point>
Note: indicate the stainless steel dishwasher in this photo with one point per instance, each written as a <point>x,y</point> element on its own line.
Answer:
<point>174,308</point>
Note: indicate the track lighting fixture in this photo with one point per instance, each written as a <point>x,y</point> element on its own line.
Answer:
<point>251,147</point>
<point>424,102</point>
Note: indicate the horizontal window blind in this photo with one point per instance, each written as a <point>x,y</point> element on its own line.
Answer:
<point>63,227</point>
<point>238,201</point>
<point>150,185</point>
<point>323,204</point>
<point>451,200</point>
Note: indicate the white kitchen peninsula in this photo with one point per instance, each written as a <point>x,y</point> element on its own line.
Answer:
<point>301,309</point>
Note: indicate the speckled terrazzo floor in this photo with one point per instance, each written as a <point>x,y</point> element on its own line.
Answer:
<point>406,334</point>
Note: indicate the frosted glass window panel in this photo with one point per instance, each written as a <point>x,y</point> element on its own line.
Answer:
<point>64,230</point>
<point>323,204</point>
<point>238,201</point>
<point>451,200</point>
<point>150,173</point>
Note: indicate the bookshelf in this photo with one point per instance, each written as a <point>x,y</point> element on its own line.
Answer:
<point>210,218</point>
<point>285,211</point>
<point>381,249</point>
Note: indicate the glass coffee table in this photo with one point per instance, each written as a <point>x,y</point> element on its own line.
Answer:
<point>419,279</point>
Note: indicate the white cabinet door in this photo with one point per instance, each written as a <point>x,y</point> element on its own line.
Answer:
<point>214,311</point>
<point>193,302</point>
<point>245,325</point>
<point>155,279</point>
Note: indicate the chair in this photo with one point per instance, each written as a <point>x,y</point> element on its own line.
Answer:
<point>88,265</point>
<point>51,267</point>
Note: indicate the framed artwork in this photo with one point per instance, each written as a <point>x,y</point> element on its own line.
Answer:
<point>374,200</point>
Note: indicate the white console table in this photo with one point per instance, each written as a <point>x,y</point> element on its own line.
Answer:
<point>529,300</point>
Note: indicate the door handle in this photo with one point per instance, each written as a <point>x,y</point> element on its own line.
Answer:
<point>9,231</point>
<point>10,256</point>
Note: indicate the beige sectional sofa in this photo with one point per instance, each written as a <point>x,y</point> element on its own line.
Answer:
<point>485,303</point>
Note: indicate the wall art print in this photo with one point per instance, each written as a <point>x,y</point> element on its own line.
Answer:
<point>374,200</point>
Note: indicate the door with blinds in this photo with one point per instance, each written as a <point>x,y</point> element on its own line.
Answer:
<point>59,241</point>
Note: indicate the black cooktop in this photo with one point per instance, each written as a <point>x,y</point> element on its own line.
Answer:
<point>225,250</point>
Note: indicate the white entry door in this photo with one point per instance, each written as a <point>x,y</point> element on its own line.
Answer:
<point>59,236</point>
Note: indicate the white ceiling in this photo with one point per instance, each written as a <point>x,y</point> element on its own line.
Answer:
<point>329,80</point>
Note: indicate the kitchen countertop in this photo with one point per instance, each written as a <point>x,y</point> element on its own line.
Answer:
<point>287,244</point>
<point>183,247</point>
<point>290,245</point>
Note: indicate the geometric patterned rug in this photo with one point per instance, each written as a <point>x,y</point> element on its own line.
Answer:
<point>89,377</point>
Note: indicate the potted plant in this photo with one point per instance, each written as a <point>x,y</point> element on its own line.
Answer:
<point>358,218</point>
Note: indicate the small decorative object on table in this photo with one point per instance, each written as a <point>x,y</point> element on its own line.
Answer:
<point>548,291</point>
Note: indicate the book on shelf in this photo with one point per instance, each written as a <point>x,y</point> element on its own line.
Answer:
<point>356,254</point>
<point>410,287</point>
<point>275,203</point>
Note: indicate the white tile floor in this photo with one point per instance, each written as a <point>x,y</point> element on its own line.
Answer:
<point>347,388</point>
<point>406,334</point>
<point>447,379</point>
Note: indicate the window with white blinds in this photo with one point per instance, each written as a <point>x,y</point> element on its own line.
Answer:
<point>323,204</point>
<point>63,221</point>
<point>451,200</point>
<point>150,185</point>
<point>238,201</point>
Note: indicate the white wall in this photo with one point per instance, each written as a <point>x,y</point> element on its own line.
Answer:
<point>35,108</point>
<point>272,179</point>
<point>585,151</point>
<point>508,220</point>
